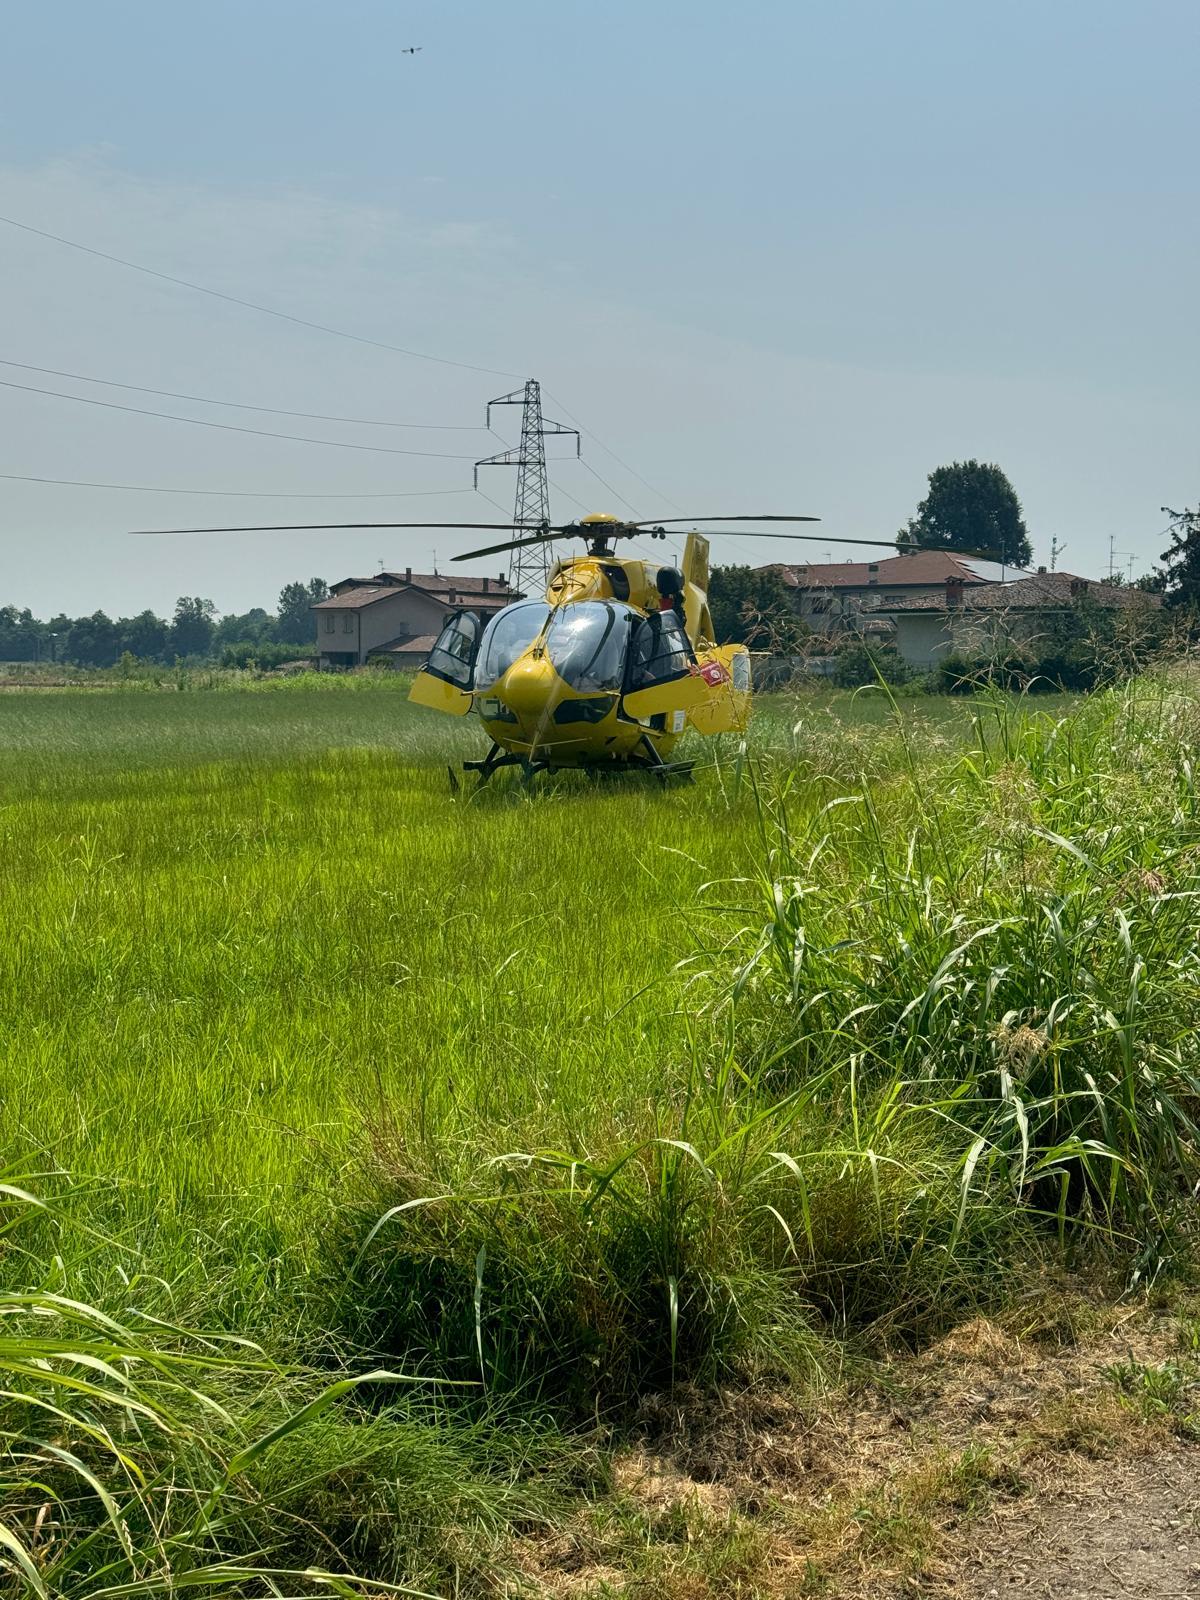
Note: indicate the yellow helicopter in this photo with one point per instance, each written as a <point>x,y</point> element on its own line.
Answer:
<point>607,671</point>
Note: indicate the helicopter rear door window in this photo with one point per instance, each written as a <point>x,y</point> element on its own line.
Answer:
<point>587,644</point>
<point>453,653</point>
<point>507,637</point>
<point>661,650</point>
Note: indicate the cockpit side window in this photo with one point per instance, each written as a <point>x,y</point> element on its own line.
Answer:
<point>661,650</point>
<point>453,653</point>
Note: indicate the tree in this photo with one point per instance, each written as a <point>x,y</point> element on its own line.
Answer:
<point>1182,577</point>
<point>22,636</point>
<point>971,506</point>
<point>247,627</point>
<point>143,636</point>
<point>92,641</point>
<point>295,624</point>
<point>754,606</point>
<point>192,628</point>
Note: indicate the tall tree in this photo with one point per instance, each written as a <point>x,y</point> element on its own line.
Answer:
<point>144,636</point>
<point>753,605</point>
<point>92,641</point>
<point>971,506</point>
<point>192,626</point>
<point>295,624</point>
<point>1182,576</point>
<point>245,627</point>
<point>22,636</point>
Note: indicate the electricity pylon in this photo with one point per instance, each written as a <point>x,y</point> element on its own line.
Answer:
<point>530,567</point>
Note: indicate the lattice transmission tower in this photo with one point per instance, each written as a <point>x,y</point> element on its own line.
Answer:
<point>529,568</point>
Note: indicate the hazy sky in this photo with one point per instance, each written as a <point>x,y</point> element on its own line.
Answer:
<point>776,256</point>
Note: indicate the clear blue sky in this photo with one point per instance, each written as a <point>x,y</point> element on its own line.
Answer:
<point>775,256</point>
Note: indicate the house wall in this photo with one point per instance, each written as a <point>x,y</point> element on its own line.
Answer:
<point>406,614</point>
<point>833,610</point>
<point>922,636</point>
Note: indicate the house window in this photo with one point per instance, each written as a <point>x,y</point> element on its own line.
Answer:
<point>348,622</point>
<point>330,622</point>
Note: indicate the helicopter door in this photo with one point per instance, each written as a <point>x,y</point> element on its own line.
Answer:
<point>445,682</point>
<point>663,675</point>
<point>726,709</point>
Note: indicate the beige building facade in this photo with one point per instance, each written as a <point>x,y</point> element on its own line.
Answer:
<point>395,616</point>
<point>986,622</point>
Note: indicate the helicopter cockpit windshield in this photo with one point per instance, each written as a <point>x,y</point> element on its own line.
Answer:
<point>587,643</point>
<point>508,635</point>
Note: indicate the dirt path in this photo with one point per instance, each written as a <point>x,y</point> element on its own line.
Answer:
<point>1128,1532</point>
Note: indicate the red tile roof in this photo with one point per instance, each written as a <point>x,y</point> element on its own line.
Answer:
<point>450,590</point>
<point>421,645</point>
<point>893,572</point>
<point>439,582</point>
<point>1052,590</point>
<point>363,594</point>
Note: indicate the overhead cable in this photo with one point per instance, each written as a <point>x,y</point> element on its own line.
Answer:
<point>237,494</point>
<point>233,427</point>
<point>253,305</point>
<point>610,452</point>
<point>241,405</point>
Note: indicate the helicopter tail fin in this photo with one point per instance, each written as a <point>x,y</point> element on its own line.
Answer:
<point>695,561</point>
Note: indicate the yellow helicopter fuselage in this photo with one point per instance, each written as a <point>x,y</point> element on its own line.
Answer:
<point>610,669</point>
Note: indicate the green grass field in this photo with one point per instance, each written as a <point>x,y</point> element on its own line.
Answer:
<point>545,1101</point>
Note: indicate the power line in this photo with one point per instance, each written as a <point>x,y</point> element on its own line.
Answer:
<point>239,405</point>
<point>253,305</point>
<point>233,427</point>
<point>615,492</point>
<point>503,510</point>
<point>609,452</point>
<point>236,494</point>
<point>558,489</point>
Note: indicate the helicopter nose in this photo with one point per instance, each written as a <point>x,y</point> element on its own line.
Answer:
<point>528,686</point>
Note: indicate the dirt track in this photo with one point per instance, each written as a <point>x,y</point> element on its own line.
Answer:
<point>1128,1531</point>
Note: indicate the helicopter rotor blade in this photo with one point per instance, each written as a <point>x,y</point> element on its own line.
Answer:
<point>306,527</point>
<point>827,539</point>
<point>519,544</point>
<point>660,522</point>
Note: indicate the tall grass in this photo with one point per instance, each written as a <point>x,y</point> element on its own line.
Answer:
<point>565,1096</point>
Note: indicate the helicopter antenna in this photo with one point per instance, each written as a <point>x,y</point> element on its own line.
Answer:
<point>530,566</point>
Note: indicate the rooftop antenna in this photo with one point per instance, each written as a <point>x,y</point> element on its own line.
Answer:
<point>1056,550</point>
<point>530,567</point>
<point>1114,553</point>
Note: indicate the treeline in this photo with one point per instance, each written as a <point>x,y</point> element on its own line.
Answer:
<point>196,632</point>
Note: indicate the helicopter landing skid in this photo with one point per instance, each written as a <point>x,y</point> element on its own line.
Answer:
<point>497,758</point>
<point>664,771</point>
<point>649,763</point>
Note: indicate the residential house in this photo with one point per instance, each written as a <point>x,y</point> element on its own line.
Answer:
<point>395,616</point>
<point>832,596</point>
<point>982,620</point>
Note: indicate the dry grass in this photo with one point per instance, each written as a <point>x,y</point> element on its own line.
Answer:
<point>882,1490</point>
